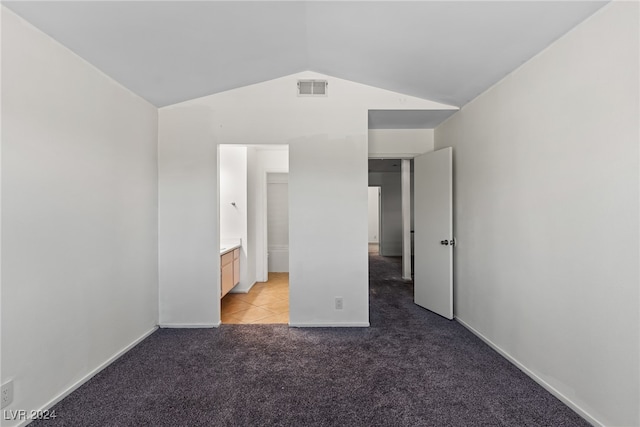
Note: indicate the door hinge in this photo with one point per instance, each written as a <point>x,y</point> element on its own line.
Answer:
<point>451,242</point>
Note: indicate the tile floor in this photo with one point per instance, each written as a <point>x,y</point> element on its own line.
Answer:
<point>266,302</point>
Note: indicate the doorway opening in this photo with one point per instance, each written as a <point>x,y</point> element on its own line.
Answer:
<point>254,213</point>
<point>386,175</point>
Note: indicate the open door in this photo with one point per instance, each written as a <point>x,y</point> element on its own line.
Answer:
<point>433,231</point>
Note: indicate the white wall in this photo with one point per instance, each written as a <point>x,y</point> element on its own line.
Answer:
<point>546,196</point>
<point>79,217</point>
<point>188,228</point>
<point>374,214</point>
<point>399,143</point>
<point>252,216</point>
<point>328,237</point>
<point>277,114</point>
<point>390,184</point>
<point>332,129</point>
<point>391,211</point>
<point>234,218</point>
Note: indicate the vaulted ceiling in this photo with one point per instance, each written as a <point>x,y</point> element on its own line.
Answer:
<point>172,51</point>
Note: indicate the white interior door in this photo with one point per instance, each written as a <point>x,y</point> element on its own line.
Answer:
<point>433,231</point>
<point>278,222</point>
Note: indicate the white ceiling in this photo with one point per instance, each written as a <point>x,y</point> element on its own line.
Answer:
<point>407,119</point>
<point>172,51</point>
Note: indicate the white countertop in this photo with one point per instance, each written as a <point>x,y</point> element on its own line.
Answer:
<point>228,245</point>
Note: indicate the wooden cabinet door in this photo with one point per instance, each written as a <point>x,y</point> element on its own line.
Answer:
<point>226,281</point>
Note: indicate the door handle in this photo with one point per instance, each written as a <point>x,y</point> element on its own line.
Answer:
<point>451,242</point>
<point>444,242</point>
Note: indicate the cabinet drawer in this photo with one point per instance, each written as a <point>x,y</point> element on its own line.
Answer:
<point>226,259</point>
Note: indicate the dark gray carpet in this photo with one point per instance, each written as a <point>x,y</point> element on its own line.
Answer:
<point>410,368</point>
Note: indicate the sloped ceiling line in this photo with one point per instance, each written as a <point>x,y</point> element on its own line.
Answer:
<point>172,51</point>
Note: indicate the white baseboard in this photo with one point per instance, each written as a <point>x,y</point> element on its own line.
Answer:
<point>278,259</point>
<point>564,399</point>
<point>329,325</point>
<point>189,325</point>
<point>90,375</point>
<point>394,254</point>
<point>242,291</point>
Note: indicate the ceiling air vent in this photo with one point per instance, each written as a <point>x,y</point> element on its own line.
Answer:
<point>312,87</point>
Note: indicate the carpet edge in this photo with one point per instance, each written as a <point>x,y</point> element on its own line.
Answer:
<point>329,325</point>
<point>189,325</point>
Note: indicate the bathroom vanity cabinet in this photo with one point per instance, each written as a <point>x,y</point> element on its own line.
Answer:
<point>229,269</point>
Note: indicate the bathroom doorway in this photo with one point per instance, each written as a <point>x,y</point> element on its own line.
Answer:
<point>261,296</point>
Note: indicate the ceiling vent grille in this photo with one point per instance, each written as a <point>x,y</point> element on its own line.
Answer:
<point>312,87</point>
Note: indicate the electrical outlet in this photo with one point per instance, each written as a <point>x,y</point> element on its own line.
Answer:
<point>339,303</point>
<point>7,394</point>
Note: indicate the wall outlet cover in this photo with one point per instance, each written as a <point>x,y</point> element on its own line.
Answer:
<point>7,394</point>
<point>339,303</point>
